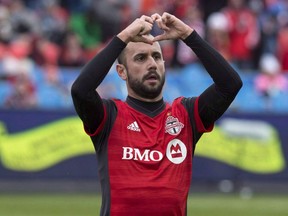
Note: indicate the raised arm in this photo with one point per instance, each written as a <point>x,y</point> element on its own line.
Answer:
<point>216,99</point>
<point>87,102</point>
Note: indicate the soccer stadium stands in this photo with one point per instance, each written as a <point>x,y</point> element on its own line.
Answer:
<point>188,81</point>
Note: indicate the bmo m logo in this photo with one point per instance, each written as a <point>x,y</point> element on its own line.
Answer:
<point>146,155</point>
<point>176,151</point>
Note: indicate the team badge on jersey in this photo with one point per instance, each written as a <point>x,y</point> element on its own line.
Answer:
<point>173,126</point>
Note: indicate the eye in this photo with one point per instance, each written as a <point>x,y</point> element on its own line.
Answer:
<point>157,57</point>
<point>140,58</point>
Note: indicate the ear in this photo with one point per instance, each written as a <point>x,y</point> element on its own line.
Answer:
<point>122,72</point>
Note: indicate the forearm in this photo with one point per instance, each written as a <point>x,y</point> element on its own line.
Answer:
<point>216,99</point>
<point>87,102</point>
<point>226,79</point>
<point>95,71</point>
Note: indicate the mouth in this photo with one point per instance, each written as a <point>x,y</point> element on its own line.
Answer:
<point>152,76</point>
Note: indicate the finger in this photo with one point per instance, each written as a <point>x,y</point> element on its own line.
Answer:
<point>145,29</point>
<point>162,25</point>
<point>155,16</point>
<point>148,39</point>
<point>147,19</point>
<point>166,17</point>
<point>145,39</point>
<point>160,37</point>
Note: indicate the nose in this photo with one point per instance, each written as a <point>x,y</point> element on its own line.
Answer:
<point>152,63</point>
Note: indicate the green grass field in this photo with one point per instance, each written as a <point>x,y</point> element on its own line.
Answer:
<point>89,204</point>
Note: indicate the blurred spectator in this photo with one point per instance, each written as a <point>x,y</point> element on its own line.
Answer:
<point>72,53</point>
<point>23,94</point>
<point>189,11</point>
<point>17,69</point>
<point>193,17</point>
<point>282,42</point>
<point>46,54</point>
<point>243,33</point>
<point>179,8</point>
<point>87,27</point>
<point>23,19</point>
<point>268,27</point>
<point>208,7</point>
<point>135,8</point>
<point>15,59</point>
<point>6,27</point>
<point>149,7</point>
<point>54,20</point>
<point>76,6</point>
<point>68,33</point>
<point>270,82</point>
<point>112,15</point>
<point>218,35</point>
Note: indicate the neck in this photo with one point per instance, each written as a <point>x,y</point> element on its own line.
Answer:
<point>135,96</point>
<point>149,108</point>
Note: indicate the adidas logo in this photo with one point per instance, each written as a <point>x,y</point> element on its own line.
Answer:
<point>134,127</point>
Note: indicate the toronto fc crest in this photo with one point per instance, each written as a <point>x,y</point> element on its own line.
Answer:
<point>173,126</point>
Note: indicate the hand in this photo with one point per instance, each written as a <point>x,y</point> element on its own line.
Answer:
<point>138,31</point>
<point>173,27</point>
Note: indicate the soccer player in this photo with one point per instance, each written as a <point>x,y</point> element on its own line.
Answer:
<point>145,146</point>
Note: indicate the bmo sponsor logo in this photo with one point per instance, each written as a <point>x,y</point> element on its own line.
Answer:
<point>146,155</point>
<point>176,152</point>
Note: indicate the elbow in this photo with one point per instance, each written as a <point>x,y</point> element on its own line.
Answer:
<point>231,91</point>
<point>80,91</point>
<point>235,89</point>
<point>238,85</point>
<point>75,92</point>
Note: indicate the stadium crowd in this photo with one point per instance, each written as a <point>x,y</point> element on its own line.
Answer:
<point>67,33</point>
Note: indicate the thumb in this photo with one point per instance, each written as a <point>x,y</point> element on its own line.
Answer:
<point>145,39</point>
<point>160,37</point>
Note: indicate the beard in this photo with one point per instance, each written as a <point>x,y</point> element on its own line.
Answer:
<point>146,91</point>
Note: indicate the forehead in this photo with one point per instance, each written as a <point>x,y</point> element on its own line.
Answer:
<point>133,48</point>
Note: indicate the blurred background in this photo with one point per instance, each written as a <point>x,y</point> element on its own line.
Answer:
<point>44,44</point>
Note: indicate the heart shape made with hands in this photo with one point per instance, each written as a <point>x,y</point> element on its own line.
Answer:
<point>172,27</point>
<point>161,23</point>
<point>140,29</point>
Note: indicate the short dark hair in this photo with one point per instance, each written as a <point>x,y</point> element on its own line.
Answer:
<point>121,58</point>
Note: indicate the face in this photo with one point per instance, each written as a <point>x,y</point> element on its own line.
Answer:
<point>145,71</point>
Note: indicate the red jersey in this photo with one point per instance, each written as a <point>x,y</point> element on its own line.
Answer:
<point>144,150</point>
<point>145,162</point>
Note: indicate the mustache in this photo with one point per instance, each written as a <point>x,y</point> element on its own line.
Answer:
<point>152,73</point>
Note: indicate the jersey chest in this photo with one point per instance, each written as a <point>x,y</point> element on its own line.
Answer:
<point>150,156</point>
<point>138,137</point>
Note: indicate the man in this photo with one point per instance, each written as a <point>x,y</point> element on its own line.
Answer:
<point>145,146</point>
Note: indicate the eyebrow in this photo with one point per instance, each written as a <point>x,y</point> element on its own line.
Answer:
<point>146,53</point>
